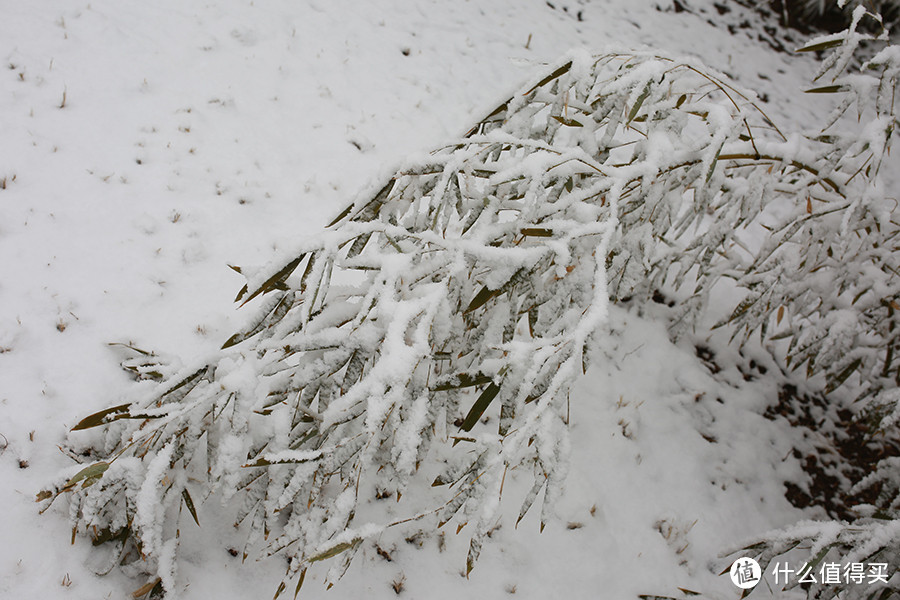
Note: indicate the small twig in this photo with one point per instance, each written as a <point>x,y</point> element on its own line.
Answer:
<point>752,141</point>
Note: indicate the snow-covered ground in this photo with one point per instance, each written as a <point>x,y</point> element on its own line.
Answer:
<point>145,146</point>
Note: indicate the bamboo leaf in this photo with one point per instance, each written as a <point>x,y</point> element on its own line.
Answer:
<point>745,305</point>
<point>452,507</point>
<point>183,387</point>
<point>370,210</point>
<point>460,438</point>
<point>275,309</point>
<point>637,104</point>
<point>811,362</point>
<point>838,380</point>
<point>292,460</point>
<point>819,557</point>
<point>146,588</point>
<point>567,122</point>
<point>537,232</point>
<point>107,535</point>
<point>342,214</point>
<point>507,414</point>
<point>826,89</point>
<point>354,369</point>
<point>497,111</point>
<point>335,550</point>
<point>530,498</point>
<point>712,165</point>
<point>474,552</point>
<point>823,45</point>
<point>94,471</point>
<point>358,244</point>
<point>532,319</point>
<point>481,404</point>
<point>281,588</point>
<point>309,267</point>
<point>472,217</point>
<point>276,280</point>
<point>100,418</point>
<point>300,583</point>
<point>481,298</point>
<point>555,74</point>
<point>462,380</point>
<point>189,502</point>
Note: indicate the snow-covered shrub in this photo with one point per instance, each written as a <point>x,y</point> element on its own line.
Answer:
<point>833,275</point>
<point>430,334</point>
<point>828,268</point>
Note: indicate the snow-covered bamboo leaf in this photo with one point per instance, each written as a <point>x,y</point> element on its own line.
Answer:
<point>537,232</point>
<point>484,400</point>
<point>106,535</point>
<point>102,417</point>
<point>288,457</point>
<point>837,380</point>
<point>276,308</point>
<point>189,503</point>
<point>567,122</point>
<point>826,89</point>
<point>300,581</point>
<point>645,93</point>
<point>358,244</point>
<point>88,474</point>
<point>539,483</point>
<point>559,72</point>
<point>462,380</point>
<point>826,44</point>
<point>341,215</point>
<point>277,280</point>
<point>335,550</point>
<point>475,545</point>
<point>281,587</point>
<point>481,298</point>
<point>147,588</point>
<point>740,310</point>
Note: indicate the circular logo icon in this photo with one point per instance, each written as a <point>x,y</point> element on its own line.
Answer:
<point>745,573</point>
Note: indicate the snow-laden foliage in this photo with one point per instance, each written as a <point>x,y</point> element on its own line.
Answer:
<point>828,268</point>
<point>432,331</point>
<point>834,275</point>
